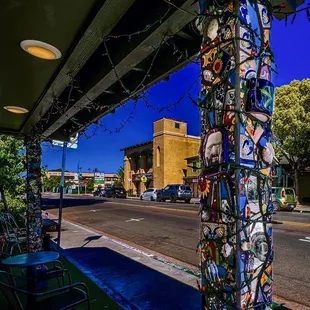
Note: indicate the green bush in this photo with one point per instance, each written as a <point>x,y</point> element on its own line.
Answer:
<point>16,205</point>
<point>130,192</point>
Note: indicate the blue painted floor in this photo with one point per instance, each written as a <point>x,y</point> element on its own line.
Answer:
<point>131,284</point>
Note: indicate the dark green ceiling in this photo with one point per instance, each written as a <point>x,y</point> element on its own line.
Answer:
<point>23,77</point>
<point>77,29</point>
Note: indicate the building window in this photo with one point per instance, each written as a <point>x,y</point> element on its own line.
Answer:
<point>149,163</point>
<point>158,156</point>
<point>177,125</point>
<point>137,162</point>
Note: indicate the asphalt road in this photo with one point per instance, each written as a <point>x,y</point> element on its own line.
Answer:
<point>172,230</point>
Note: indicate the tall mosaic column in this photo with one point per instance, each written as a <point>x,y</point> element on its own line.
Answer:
<point>33,192</point>
<point>236,104</point>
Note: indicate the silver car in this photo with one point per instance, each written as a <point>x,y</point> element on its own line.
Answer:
<point>149,194</point>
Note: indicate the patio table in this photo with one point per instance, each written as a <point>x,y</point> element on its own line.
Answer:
<point>30,261</point>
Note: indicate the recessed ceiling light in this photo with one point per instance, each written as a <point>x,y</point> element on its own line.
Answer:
<point>40,49</point>
<point>17,110</point>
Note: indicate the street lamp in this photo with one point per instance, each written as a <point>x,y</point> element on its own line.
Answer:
<point>78,172</point>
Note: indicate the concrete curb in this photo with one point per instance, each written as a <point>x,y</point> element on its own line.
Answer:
<point>302,211</point>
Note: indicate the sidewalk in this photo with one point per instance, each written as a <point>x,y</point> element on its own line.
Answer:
<point>136,278</point>
<point>302,208</point>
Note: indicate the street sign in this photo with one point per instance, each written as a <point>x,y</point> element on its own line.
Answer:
<point>85,182</point>
<point>143,179</point>
<point>76,177</point>
<point>99,178</point>
<point>73,144</point>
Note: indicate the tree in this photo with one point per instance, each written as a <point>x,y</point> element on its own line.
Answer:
<point>291,125</point>
<point>11,167</point>
<point>90,185</point>
<point>51,182</point>
<point>120,177</point>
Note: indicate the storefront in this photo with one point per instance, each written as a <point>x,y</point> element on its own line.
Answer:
<point>192,174</point>
<point>193,183</point>
<point>142,181</point>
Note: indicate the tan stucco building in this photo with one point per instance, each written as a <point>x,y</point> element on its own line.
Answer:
<point>162,160</point>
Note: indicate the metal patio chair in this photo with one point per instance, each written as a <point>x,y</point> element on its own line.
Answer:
<point>66,297</point>
<point>14,235</point>
<point>3,242</point>
<point>55,272</point>
<point>13,224</point>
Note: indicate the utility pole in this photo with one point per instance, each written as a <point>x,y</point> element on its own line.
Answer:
<point>78,172</point>
<point>62,185</point>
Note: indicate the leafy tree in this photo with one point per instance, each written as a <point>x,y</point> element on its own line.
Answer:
<point>59,170</point>
<point>90,185</point>
<point>12,186</point>
<point>120,177</point>
<point>291,125</point>
<point>51,182</point>
<point>69,183</point>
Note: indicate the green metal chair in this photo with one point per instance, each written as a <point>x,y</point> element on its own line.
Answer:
<point>66,297</point>
<point>56,271</point>
<point>15,236</point>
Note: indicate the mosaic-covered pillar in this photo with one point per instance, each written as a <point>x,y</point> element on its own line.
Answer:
<point>33,193</point>
<point>236,104</point>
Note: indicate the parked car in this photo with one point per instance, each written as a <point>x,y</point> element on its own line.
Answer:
<point>115,192</point>
<point>98,192</point>
<point>149,194</point>
<point>103,193</point>
<point>284,198</point>
<point>175,192</point>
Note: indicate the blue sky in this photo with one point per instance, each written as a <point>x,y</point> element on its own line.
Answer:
<point>290,43</point>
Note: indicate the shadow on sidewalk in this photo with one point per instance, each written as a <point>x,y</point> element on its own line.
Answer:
<point>130,283</point>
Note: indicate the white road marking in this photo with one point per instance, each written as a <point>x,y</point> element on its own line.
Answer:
<point>93,210</point>
<point>307,239</point>
<point>135,220</point>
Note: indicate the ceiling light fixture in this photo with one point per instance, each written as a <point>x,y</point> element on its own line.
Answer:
<point>14,109</point>
<point>40,49</point>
